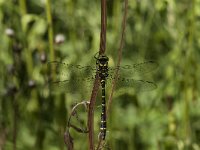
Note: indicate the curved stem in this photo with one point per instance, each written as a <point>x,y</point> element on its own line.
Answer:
<point>119,55</point>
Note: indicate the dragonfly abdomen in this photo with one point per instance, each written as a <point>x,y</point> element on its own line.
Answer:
<point>102,68</point>
<point>103,113</point>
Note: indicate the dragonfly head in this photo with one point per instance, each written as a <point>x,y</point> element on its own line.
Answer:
<point>102,60</point>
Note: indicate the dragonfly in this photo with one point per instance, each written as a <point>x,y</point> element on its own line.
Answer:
<point>102,71</point>
<point>66,75</point>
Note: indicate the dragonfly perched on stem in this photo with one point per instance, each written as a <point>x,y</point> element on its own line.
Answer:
<point>71,77</point>
<point>75,76</point>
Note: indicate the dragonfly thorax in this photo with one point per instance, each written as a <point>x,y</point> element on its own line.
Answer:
<point>102,66</point>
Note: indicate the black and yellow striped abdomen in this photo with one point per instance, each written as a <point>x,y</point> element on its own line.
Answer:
<point>103,112</point>
<point>102,69</point>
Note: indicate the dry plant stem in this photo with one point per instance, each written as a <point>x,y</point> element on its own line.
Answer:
<point>91,113</point>
<point>78,129</point>
<point>103,27</point>
<point>67,137</point>
<point>69,125</point>
<point>119,55</point>
<point>68,140</point>
<point>96,83</point>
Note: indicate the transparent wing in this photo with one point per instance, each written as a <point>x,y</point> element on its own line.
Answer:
<point>72,78</point>
<point>137,85</point>
<point>135,69</point>
<point>65,71</point>
<point>81,86</point>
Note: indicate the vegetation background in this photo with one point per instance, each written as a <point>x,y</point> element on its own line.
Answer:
<point>166,31</point>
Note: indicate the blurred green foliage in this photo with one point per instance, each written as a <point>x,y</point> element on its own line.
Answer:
<point>33,116</point>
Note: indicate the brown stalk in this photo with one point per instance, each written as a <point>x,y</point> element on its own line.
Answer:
<point>68,140</point>
<point>103,27</point>
<point>96,82</point>
<point>119,55</point>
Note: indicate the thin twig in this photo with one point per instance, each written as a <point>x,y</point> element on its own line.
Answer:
<point>96,83</point>
<point>119,55</point>
<point>78,129</point>
<point>74,113</point>
<point>67,137</point>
